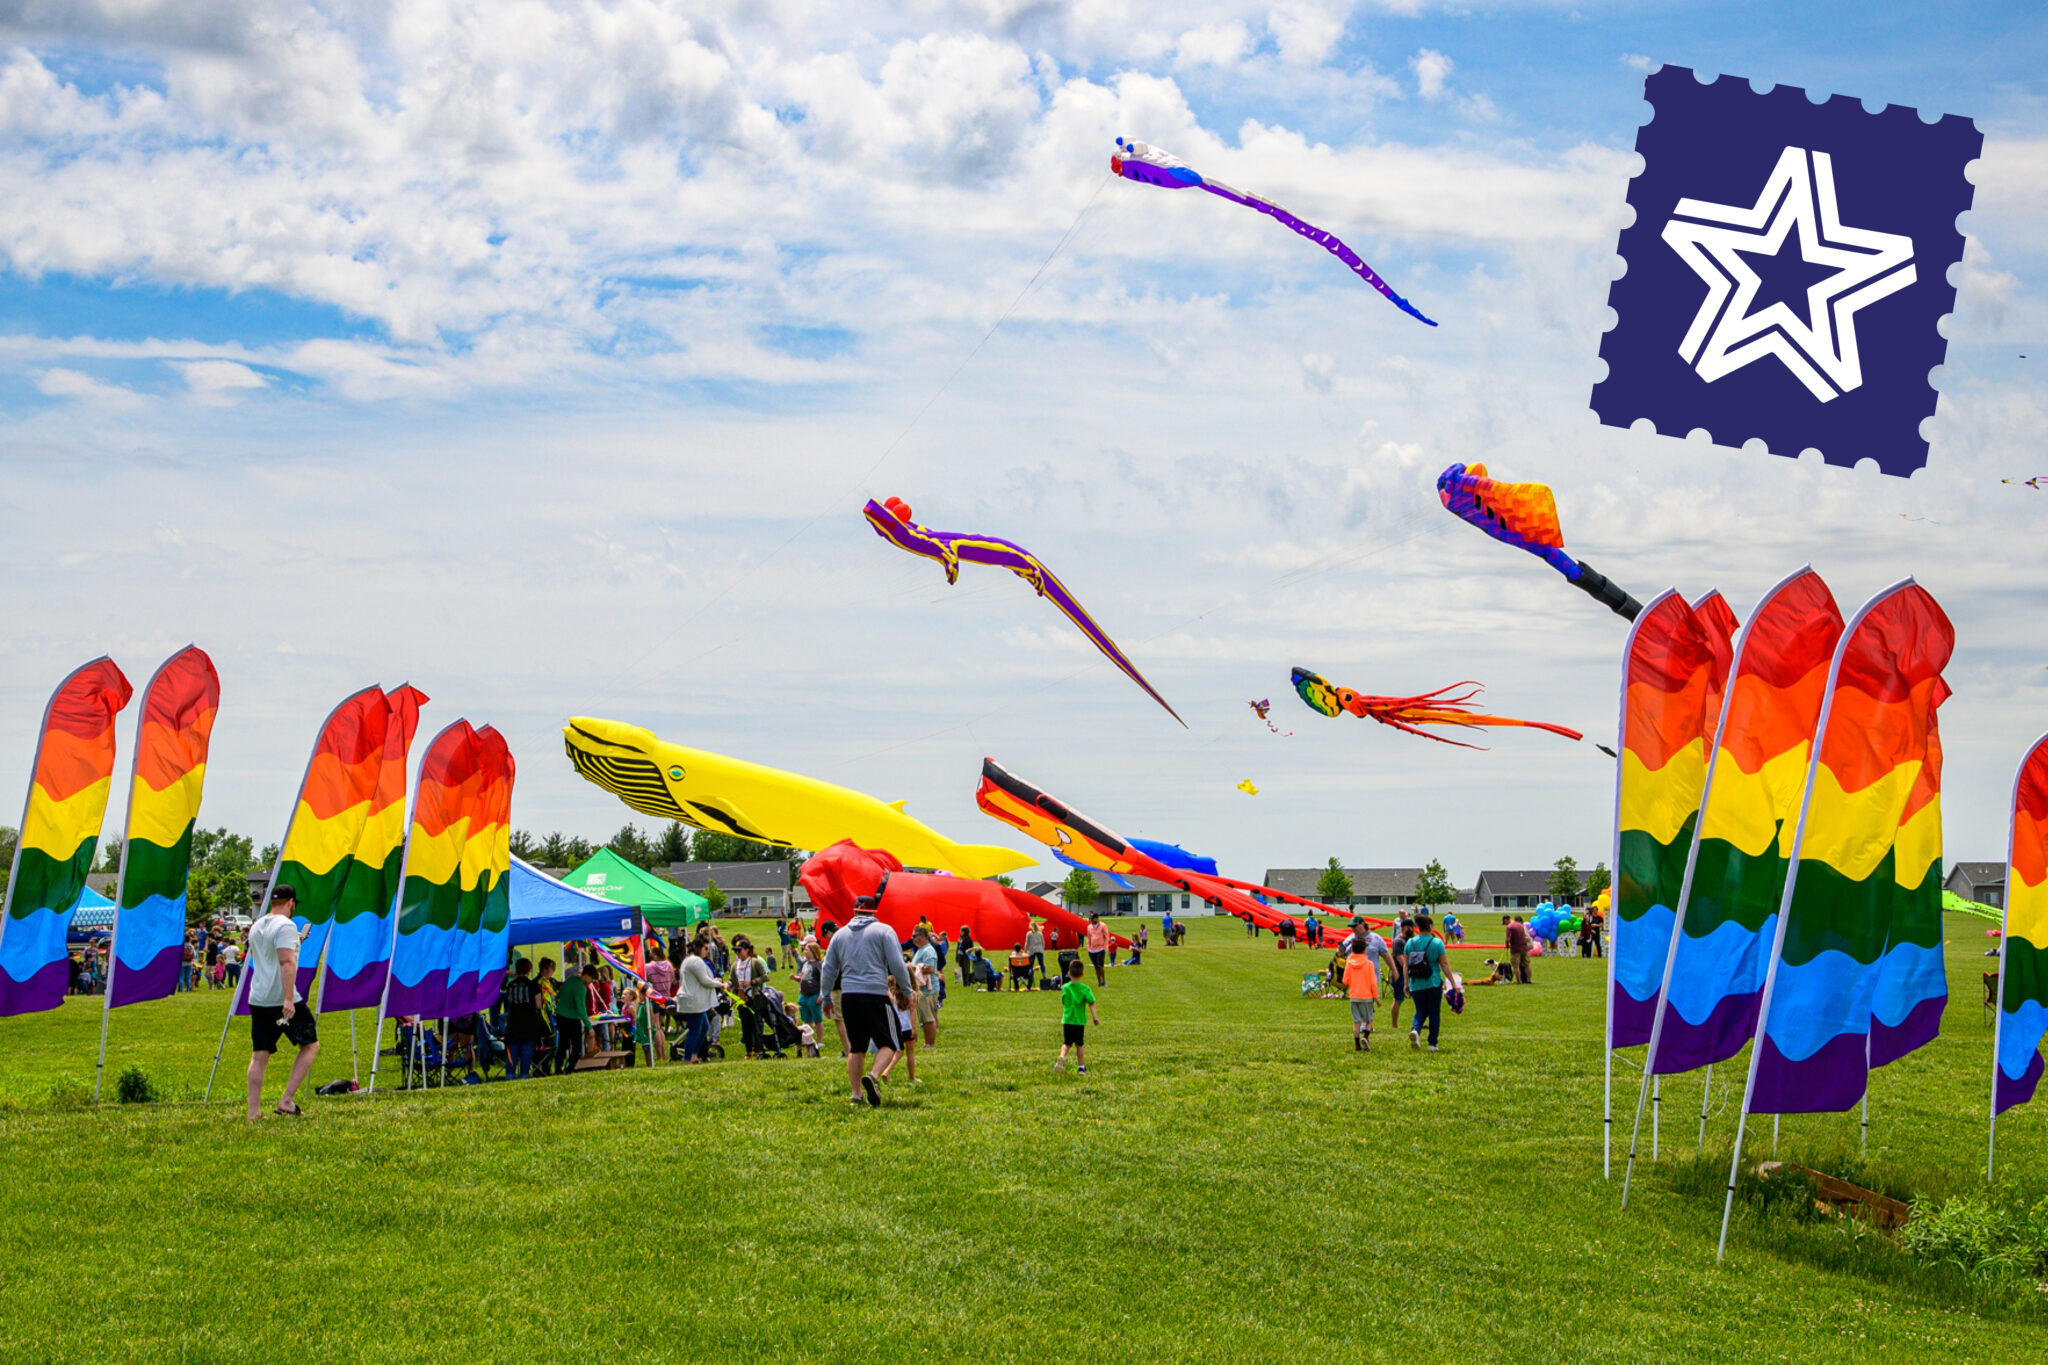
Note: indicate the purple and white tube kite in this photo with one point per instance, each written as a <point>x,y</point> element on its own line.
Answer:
<point>1149,165</point>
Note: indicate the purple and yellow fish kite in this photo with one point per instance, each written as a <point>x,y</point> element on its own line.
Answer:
<point>892,523</point>
<point>1153,166</point>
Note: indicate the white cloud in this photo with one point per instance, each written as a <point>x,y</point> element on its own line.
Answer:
<point>63,383</point>
<point>657,293</point>
<point>1305,32</point>
<point>1212,45</point>
<point>1636,61</point>
<point>218,382</point>
<point>1432,69</point>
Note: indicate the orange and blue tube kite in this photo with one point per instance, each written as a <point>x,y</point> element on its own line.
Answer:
<point>1524,515</point>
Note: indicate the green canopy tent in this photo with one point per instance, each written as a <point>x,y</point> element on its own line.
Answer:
<point>662,904</point>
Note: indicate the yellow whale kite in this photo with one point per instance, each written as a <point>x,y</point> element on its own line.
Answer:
<point>733,796</point>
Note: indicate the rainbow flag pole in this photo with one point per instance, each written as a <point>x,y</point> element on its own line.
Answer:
<point>328,796</point>
<point>1858,987</point>
<point>2014,1078</point>
<point>1675,671</point>
<point>166,778</point>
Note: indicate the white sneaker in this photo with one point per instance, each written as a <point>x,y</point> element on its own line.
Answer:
<point>1415,1040</point>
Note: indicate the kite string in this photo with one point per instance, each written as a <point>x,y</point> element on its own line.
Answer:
<point>888,450</point>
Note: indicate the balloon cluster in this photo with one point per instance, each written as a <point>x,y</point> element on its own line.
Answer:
<point>1550,921</point>
<point>898,508</point>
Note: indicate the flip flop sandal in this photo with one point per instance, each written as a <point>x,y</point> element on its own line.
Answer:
<point>292,1113</point>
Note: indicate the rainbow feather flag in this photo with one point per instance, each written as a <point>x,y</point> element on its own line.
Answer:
<point>1755,782</point>
<point>1858,978</point>
<point>171,739</point>
<point>2023,952</point>
<point>1675,666</point>
<point>327,824</point>
<point>486,871</point>
<point>60,831</point>
<point>359,945</point>
<point>456,862</point>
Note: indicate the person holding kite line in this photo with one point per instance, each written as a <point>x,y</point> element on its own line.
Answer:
<point>274,1002</point>
<point>862,959</point>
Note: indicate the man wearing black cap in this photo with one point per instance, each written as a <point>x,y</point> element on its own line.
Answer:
<point>274,1001</point>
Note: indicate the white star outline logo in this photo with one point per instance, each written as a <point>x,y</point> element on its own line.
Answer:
<point>1725,335</point>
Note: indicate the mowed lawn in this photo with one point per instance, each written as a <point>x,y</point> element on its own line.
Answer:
<point>1231,1183</point>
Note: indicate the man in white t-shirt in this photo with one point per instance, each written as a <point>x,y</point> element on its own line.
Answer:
<point>274,1002</point>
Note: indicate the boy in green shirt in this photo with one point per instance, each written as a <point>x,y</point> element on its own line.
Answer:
<point>1077,1008</point>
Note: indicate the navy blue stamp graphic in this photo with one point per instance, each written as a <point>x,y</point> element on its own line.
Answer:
<point>1786,270</point>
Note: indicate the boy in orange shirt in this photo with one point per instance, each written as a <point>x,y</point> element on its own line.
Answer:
<point>1362,984</point>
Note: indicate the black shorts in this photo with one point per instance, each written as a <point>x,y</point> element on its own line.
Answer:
<point>267,1024</point>
<point>1073,1035</point>
<point>869,1019</point>
<point>1400,989</point>
<point>1095,957</point>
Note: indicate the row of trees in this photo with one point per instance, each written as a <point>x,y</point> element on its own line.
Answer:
<point>674,844</point>
<point>217,885</point>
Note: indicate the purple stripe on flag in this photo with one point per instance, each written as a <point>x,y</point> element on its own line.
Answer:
<point>2011,1092</point>
<point>1725,1031</point>
<point>427,996</point>
<point>359,992</point>
<point>44,989</point>
<point>155,981</point>
<point>1632,1020</point>
<point>1831,1081</point>
<point>1888,1043</point>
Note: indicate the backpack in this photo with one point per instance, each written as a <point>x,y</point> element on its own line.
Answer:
<point>1418,958</point>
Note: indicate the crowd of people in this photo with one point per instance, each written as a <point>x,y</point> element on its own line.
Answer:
<point>880,994</point>
<point>211,958</point>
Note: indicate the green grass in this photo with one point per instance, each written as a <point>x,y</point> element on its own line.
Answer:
<point>1231,1183</point>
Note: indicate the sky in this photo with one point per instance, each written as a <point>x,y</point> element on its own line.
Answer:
<point>543,355</point>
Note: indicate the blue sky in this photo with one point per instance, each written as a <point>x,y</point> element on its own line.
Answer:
<point>547,362</point>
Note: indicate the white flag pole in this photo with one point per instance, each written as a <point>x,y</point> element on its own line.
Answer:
<point>1706,1097</point>
<point>397,903</point>
<point>1763,1013</point>
<point>121,877</point>
<point>1692,857</point>
<point>1614,891</point>
<point>2005,928</point>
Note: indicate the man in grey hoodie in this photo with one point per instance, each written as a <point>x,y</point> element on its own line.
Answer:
<point>858,965</point>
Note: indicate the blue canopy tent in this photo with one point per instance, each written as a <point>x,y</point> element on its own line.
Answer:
<point>94,918</point>
<point>546,911</point>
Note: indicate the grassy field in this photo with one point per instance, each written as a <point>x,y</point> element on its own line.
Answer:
<point>1230,1183</point>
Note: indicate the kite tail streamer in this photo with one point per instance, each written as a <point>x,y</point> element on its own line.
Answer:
<point>1605,591</point>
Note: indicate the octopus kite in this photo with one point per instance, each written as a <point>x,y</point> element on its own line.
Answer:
<point>1524,515</point>
<point>949,549</point>
<point>1151,166</point>
<point>1406,713</point>
<point>1264,711</point>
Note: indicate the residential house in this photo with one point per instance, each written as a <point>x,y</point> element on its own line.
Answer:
<point>1145,897</point>
<point>1520,890</point>
<point>1370,886</point>
<point>750,888</point>
<point>1980,882</point>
